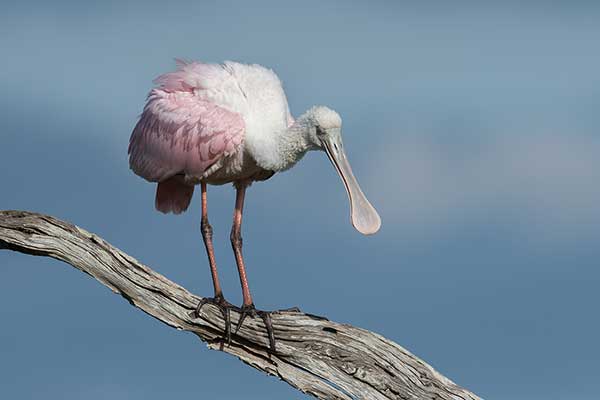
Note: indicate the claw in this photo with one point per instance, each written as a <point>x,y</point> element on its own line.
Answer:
<point>244,312</point>
<point>250,310</point>
<point>266,317</point>
<point>224,306</point>
<point>202,303</point>
<point>247,310</point>
<point>227,315</point>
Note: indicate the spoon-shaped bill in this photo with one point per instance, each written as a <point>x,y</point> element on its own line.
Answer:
<point>364,217</point>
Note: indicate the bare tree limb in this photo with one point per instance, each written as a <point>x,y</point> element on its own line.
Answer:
<point>325,359</point>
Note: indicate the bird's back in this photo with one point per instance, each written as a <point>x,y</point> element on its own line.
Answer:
<point>253,91</point>
<point>264,93</point>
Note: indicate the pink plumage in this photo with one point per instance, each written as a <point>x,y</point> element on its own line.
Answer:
<point>179,132</point>
<point>173,195</point>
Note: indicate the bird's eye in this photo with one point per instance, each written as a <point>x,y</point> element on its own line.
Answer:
<point>320,131</point>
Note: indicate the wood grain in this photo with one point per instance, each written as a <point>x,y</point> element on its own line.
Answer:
<point>322,358</point>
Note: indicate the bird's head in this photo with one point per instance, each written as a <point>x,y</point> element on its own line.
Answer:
<point>326,134</point>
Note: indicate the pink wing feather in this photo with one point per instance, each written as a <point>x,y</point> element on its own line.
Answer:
<point>181,133</point>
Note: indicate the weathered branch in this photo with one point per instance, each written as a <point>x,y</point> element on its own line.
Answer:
<point>325,359</point>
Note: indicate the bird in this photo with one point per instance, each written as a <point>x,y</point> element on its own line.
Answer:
<point>218,123</point>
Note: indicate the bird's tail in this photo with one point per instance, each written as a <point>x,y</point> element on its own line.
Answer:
<point>173,195</point>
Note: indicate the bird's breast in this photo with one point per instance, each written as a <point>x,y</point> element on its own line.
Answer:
<point>238,166</point>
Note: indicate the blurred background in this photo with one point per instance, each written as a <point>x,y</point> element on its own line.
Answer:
<point>472,128</point>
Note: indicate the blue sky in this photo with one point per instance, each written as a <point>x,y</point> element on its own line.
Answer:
<point>472,128</point>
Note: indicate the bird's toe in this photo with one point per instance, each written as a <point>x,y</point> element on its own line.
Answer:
<point>224,306</point>
<point>250,310</point>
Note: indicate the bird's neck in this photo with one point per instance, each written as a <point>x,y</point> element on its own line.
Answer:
<point>290,145</point>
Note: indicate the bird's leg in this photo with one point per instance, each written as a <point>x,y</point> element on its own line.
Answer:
<point>207,233</point>
<point>236,243</point>
<point>218,300</point>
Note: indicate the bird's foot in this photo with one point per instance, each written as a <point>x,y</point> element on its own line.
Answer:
<point>224,306</point>
<point>250,310</point>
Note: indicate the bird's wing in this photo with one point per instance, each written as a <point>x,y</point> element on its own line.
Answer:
<point>180,131</point>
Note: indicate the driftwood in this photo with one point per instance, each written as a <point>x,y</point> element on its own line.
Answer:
<point>326,359</point>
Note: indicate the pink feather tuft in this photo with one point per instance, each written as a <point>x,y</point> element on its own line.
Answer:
<point>173,195</point>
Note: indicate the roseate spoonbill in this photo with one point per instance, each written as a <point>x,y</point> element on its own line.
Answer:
<point>220,123</point>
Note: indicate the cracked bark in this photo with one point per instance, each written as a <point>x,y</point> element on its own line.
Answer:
<point>322,358</point>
